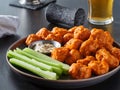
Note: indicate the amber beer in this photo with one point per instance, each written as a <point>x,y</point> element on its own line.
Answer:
<point>100,12</point>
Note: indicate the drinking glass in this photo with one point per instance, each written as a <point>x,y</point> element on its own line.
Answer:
<point>100,12</point>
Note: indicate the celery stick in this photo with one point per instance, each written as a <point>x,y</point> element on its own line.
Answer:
<point>43,60</point>
<point>65,67</point>
<point>8,55</point>
<point>37,62</point>
<point>55,68</point>
<point>28,60</point>
<point>34,69</point>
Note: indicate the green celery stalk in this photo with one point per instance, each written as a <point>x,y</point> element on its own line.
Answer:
<point>56,68</point>
<point>43,60</point>
<point>65,67</point>
<point>9,55</point>
<point>34,69</point>
<point>28,60</point>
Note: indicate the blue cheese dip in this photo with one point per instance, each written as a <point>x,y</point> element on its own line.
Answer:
<point>44,48</point>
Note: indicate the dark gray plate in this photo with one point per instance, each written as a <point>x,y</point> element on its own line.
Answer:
<point>65,82</point>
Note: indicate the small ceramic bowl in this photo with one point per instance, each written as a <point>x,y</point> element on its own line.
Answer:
<point>44,46</point>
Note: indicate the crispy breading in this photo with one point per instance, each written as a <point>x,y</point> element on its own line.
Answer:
<point>89,48</point>
<point>31,38</point>
<point>98,39</point>
<point>73,43</point>
<point>80,71</point>
<point>71,30</point>
<point>115,52</point>
<point>67,37</point>
<point>82,33</point>
<point>58,30</point>
<point>60,53</point>
<point>99,67</point>
<point>74,55</point>
<point>86,60</point>
<point>56,37</point>
<point>104,55</point>
<point>103,38</point>
<point>43,33</point>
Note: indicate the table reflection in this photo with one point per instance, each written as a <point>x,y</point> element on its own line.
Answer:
<point>108,27</point>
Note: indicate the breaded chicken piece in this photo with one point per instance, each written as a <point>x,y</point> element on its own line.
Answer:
<point>71,30</point>
<point>86,60</point>
<point>103,38</point>
<point>43,33</point>
<point>97,40</point>
<point>56,37</point>
<point>67,37</point>
<point>115,52</point>
<point>99,67</point>
<point>58,30</point>
<point>31,38</point>
<point>73,43</point>
<point>60,53</point>
<point>79,71</point>
<point>82,33</point>
<point>104,55</point>
<point>74,55</point>
<point>89,48</point>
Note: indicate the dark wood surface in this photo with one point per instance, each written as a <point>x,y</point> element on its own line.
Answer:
<point>30,22</point>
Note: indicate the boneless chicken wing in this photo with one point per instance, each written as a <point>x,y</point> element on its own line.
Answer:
<point>104,55</point>
<point>82,33</point>
<point>97,40</point>
<point>99,67</point>
<point>73,56</point>
<point>88,48</point>
<point>31,38</point>
<point>60,53</point>
<point>86,60</point>
<point>103,38</point>
<point>73,43</point>
<point>115,52</point>
<point>43,33</point>
<point>67,37</point>
<point>56,37</point>
<point>71,30</point>
<point>79,71</point>
<point>58,30</point>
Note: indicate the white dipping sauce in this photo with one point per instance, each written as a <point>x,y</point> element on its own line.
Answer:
<point>44,48</point>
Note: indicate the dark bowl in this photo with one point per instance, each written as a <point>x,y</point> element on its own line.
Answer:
<point>43,42</point>
<point>63,83</point>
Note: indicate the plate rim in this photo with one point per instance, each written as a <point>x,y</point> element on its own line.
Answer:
<point>108,74</point>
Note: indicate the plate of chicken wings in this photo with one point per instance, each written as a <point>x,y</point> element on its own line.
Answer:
<point>93,55</point>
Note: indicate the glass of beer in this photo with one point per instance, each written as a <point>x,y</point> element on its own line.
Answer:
<point>100,12</point>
